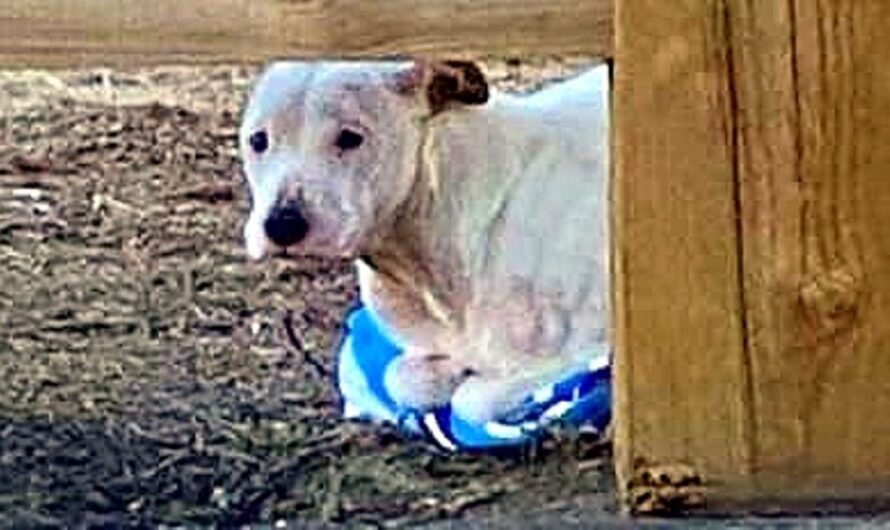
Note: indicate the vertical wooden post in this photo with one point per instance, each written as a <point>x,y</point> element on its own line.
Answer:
<point>752,254</point>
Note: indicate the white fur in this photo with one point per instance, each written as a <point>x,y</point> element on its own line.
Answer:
<point>506,273</point>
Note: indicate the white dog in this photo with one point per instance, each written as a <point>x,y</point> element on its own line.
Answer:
<point>478,220</point>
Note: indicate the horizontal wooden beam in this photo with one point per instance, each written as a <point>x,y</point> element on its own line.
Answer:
<point>79,33</point>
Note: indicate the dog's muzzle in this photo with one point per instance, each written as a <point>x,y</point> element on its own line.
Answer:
<point>286,224</point>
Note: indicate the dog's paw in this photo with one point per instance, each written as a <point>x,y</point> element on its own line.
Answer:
<point>423,382</point>
<point>479,400</point>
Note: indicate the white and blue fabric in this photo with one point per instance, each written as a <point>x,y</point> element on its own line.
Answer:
<point>580,400</point>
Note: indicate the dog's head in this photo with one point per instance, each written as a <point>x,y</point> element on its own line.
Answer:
<point>330,149</point>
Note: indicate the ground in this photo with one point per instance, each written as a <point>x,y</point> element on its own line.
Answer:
<point>147,372</point>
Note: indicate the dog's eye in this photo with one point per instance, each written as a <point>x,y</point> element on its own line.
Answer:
<point>259,142</point>
<point>348,139</point>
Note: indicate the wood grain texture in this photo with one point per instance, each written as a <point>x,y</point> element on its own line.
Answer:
<point>75,33</point>
<point>814,189</point>
<point>772,117</point>
<point>678,310</point>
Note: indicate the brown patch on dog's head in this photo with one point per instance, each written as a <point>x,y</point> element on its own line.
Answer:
<point>444,83</point>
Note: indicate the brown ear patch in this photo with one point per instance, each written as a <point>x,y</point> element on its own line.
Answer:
<point>456,81</point>
<point>446,82</point>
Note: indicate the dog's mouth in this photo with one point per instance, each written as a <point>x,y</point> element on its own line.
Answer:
<point>289,256</point>
<point>316,247</point>
<point>283,253</point>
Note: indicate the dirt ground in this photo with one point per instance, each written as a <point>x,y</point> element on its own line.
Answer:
<point>147,376</point>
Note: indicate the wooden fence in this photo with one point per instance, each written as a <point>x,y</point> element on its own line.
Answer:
<point>131,32</point>
<point>752,211</point>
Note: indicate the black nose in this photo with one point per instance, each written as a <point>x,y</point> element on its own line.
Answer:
<point>286,224</point>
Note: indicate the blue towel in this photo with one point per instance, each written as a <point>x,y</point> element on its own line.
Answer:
<point>582,399</point>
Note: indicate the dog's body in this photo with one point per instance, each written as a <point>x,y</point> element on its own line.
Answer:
<point>481,235</point>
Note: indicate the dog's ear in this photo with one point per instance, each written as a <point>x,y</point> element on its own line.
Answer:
<point>443,83</point>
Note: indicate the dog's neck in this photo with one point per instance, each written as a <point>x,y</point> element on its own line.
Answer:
<point>437,239</point>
